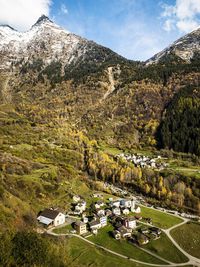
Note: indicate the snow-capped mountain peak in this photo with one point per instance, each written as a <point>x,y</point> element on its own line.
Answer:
<point>45,39</point>
<point>48,42</point>
<point>43,19</point>
<point>184,48</point>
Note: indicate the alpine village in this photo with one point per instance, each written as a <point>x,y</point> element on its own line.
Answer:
<point>99,155</point>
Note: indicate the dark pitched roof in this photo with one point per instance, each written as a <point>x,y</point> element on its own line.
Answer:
<point>79,223</point>
<point>49,213</point>
<point>93,223</point>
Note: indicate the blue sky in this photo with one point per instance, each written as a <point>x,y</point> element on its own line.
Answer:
<point>136,29</point>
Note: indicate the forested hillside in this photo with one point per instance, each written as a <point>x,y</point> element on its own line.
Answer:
<point>180,128</point>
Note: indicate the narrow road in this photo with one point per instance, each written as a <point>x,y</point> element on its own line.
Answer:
<point>118,254</point>
<point>155,255</point>
<point>192,260</point>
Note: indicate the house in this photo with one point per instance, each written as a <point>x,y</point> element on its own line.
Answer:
<point>125,203</point>
<point>108,212</point>
<point>142,239</point>
<point>103,220</point>
<point>81,206</point>
<point>125,232</point>
<point>138,217</point>
<point>115,203</point>
<point>100,212</point>
<point>155,230</point>
<point>117,234</point>
<point>95,224</point>
<point>125,211</point>
<point>97,195</point>
<point>129,222</point>
<point>137,209</point>
<point>144,230</point>
<point>81,227</point>
<point>76,198</point>
<point>95,231</point>
<point>116,211</point>
<point>51,217</point>
<point>99,204</point>
<point>85,219</point>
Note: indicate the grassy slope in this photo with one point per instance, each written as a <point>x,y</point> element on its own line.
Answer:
<point>39,166</point>
<point>160,219</point>
<point>188,237</point>
<point>83,254</point>
<point>164,248</point>
<point>105,239</point>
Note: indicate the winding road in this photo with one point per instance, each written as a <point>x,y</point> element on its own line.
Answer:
<point>191,260</point>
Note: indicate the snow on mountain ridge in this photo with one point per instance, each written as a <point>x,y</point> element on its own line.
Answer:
<point>185,48</point>
<point>45,39</point>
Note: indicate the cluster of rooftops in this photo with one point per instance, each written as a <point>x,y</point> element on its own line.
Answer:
<point>122,214</point>
<point>143,161</point>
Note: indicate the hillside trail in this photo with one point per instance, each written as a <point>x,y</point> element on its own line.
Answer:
<point>111,89</point>
<point>4,86</point>
<point>111,79</point>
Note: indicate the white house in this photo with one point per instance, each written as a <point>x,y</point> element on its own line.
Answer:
<point>100,212</point>
<point>125,211</point>
<point>103,220</point>
<point>136,210</point>
<point>76,198</point>
<point>99,204</point>
<point>117,234</point>
<point>85,219</point>
<point>81,206</point>
<point>116,211</point>
<point>51,217</point>
<point>95,224</point>
<point>133,207</point>
<point>97,195</point>
<point>125,203</point>
<point>125,232</point>
<point>129,222</point>
<point>115,203</point>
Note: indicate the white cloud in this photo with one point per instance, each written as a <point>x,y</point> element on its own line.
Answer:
<point>168,25</point>
<point>187,25</point>
<point>184,15</point>
<point>22,14</point>
<point>64,9</point>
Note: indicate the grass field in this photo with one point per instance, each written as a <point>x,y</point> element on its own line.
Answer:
<point>164,248</point>
<point>105,239</point>
<point>188,237</point>
<point>63,230</point>
<point>184,167</point>
<point>84,254</point>
<point>160,219</point>
<point>110,150</point>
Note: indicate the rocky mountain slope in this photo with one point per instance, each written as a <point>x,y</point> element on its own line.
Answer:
<point>49,42</point>
<point>185,49</point>
<point>49,74</point>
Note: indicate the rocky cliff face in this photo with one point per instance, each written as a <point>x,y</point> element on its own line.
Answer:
<point>185,48</point>
<point>49,42</point>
